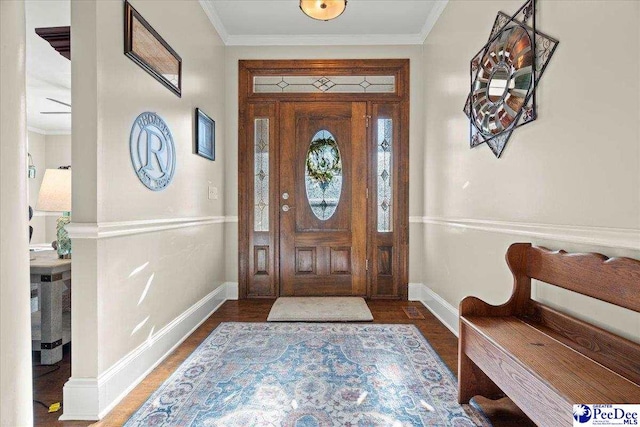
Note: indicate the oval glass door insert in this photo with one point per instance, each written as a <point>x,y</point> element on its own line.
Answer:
<point>323,175</point>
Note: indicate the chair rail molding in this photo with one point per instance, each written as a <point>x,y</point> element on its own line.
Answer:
<point>621,238</point>
<point>104,230</point>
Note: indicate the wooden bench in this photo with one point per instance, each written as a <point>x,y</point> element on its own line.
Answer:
<point>543,359</point>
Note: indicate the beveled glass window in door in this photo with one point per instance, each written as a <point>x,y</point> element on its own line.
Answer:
<point>384,185</point>
<point>261,174</point>
<point>323,175</point>
<point>322,84</point>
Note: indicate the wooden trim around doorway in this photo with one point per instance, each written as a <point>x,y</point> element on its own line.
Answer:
<point>260,279</point>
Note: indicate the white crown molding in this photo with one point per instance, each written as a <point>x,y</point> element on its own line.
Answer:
<point>36,130</point>
<point>621,238</point>
<point>92,398</point>
<point>325,40</point>
<point>432,18</point>
<point>211,13</point>
<point>46,213</point>
<point>48,132</point>
<point>106,230</point>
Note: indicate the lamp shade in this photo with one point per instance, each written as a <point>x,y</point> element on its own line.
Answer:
<point>323,10</point>
<point>55,191</point>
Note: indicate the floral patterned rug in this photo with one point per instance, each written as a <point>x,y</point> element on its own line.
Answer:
<point>307,375</point>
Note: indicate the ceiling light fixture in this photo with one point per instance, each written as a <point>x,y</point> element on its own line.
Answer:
<point>323,10</point>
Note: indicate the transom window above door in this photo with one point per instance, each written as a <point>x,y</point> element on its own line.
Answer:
<point>321,84</point>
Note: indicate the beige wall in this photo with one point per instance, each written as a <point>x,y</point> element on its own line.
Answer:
<point>36,145</point>
<point>133,285</point>
<point>58,151</point>
<point>413,53</point>
<point>577,165</point>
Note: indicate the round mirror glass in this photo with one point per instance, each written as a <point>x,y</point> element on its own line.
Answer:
<point>503,82</point>
<point>499,83</point>
<point>323,175</point>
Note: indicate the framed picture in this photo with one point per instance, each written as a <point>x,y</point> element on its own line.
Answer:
<point>144,46</point>
<point>205,135</point>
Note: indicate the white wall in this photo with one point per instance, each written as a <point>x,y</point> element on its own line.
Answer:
<point>15,347</point>
<point>48,152</point>
<point>58,151</point>
<point>574,174</point>
<point>413,53</point>
<point>141,259</point>
<point>36,146</point>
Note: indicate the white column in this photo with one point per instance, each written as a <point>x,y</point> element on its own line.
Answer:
<point>82,400</point>
<point>15,317</point>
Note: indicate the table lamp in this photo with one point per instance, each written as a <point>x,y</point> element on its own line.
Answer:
<point>55,196</point>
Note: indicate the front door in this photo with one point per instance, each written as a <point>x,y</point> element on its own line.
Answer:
<point>323,198</point>
<point>323,178</point>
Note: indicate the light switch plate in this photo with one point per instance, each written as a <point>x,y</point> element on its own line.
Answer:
<point>213,193</point>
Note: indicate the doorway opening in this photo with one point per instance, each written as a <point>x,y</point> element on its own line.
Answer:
<point>48,102</point>
<point>323,178</point>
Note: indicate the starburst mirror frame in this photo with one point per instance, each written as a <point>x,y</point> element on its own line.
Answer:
<point>504,76</point>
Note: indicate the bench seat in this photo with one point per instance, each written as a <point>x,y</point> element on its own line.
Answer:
<point>544,359</point>
<point>559,370</point>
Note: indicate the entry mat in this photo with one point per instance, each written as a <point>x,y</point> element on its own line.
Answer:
<point>320,309</point>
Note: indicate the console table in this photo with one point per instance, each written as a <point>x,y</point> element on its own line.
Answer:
<point>51,276</point>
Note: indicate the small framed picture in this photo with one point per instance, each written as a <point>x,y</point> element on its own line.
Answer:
<point>205,135</point>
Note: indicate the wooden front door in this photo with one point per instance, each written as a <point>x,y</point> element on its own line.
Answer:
<point>323,178</point>
<point>323,207</point>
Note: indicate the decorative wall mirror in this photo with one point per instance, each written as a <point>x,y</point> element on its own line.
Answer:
<point>504,77</point>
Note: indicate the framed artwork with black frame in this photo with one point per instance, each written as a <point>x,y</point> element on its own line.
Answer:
<point>205,135</point>
<point>144,46</point>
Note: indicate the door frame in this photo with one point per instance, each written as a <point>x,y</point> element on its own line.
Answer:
<point>265,245</point>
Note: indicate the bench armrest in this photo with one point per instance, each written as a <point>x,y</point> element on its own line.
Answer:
<point>520,301</point>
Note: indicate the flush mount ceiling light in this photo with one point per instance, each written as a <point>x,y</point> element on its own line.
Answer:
<point>323,10</point>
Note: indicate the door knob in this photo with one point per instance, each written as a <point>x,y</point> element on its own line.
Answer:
<point>285,208</point>
<point>285,196</point>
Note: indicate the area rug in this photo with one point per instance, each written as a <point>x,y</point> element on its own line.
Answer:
<point>320,309</point>
<point>303,375</point>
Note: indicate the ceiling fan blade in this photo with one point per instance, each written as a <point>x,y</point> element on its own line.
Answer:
<point>55,112</point>
<point>59,102</point>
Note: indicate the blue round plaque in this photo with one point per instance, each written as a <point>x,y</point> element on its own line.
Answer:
<point>153,154</point>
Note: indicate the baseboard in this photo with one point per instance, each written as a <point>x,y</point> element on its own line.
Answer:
<point>445,312</point>
<point>90,399</point>
<point>232,290</point>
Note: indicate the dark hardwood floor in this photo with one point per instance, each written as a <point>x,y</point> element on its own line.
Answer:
<point>48,388</point>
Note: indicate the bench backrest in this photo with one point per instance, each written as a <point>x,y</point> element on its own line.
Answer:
<point>614,280</point>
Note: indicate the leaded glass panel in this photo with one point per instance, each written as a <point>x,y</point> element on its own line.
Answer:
<point>384,172</point>
<point>323,175</point>
<point>322,84</point>
<point>261,175</point>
